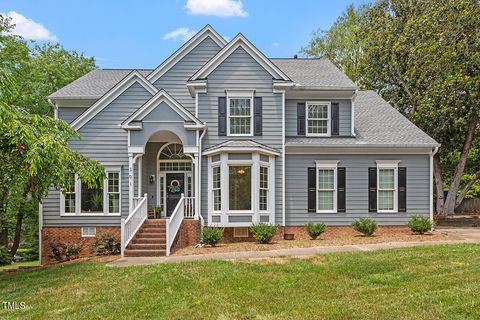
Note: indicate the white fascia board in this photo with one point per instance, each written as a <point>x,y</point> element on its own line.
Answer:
<point>184,50</point>
<point>112,94</point>
<point>160,97</point>
<point>239,41</point>
<point>197,86</point>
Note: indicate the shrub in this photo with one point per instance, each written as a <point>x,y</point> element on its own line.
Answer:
<point>263,232</point>
<point>315,229</point>
<point>211,235</point>
<point>419,224</point>
<point>366,226</point>
<point>5,256</point>
<point>27,254</point>
<point>106,244</point>
<point>65,252</point>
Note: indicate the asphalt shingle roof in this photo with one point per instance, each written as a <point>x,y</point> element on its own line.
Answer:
<point>94,84</point>
<point>314,72</point>
<point>240,144</point>
<point>377,123</point>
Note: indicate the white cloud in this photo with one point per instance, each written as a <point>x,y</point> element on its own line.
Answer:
<point>219,8</point>
<point>183,33</point>
<point>29,29</point>
<point>227,38</point>
<point>276,44</point>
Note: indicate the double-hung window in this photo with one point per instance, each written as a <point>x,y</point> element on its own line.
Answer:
<point>216,189</point>
<point>263,197</point>
<point>70,195</point>
<point>240,114</point>
<point>326,186</point>
<point>113,191</point>
<point>318,118</point>
<point>387,186</point>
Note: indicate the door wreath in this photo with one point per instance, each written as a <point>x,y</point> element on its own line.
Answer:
<point>174,186</point>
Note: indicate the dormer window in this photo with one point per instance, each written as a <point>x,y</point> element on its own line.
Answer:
<point>318,118</point>
<point>240,114</point>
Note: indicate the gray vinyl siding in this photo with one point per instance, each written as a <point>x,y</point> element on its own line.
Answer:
<point>174,80</point>
<point>345,116</point>
<point>149,167</point>
<point>356,188</point>
<point>70,114</point>
<point>104,141</point>
<point>241,71</point>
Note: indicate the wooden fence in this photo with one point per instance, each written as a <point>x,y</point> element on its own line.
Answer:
<point>469,205</point>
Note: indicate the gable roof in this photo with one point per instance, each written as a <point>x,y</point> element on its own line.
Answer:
<point>319,73</point>
<point>94,84</point>
<point>377,124</point>
<point>152,103</point>
<point>188,46</point>
<point>112,94</point>
<point>239,41</point>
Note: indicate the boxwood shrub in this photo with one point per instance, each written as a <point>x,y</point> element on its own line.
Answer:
<point>263,232</point>
<point>419,224</point>
<point>366,226</point>
<point>211,235</point>
<point>315,229</point>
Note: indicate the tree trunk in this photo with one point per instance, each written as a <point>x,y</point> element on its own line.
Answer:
<point>4,236</point>
<point>467,187</point>
<point>18,232</point>
<point>449,206</point>
<point>437,173</point>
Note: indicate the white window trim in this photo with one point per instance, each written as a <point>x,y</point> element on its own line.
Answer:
<point>255,162</point>
<point>78,197</point>
<point>328,165</point>
<point>89,235</point>
<point>329,119</point>
<point>106,193</point>
<point>240,95</point>
<point>264,165</point>
<point>388,164</point>
<point>216,165</point>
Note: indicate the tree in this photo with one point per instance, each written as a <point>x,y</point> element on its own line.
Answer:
<point>342,43</point>
<point>36,157</point>
<point>39,70</point>
<point>424,58</point>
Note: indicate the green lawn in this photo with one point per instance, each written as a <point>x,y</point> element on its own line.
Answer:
<point>19,264</point>
<point>437,282</point>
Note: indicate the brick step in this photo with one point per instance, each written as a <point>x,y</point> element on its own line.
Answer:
<point>150,235</point>
<point>152,230</point>
<point>460,221</point>
<point>153,226</point>
<point>146,246</point>
<point>145,253</point>
<point>149,240</point>
<point>155,221</point>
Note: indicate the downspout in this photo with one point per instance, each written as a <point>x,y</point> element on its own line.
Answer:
<point>200,173</point>
<point>432,154</point>
<point>354,96</point>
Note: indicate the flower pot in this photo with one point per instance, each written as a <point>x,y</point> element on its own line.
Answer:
<point>289,236</point>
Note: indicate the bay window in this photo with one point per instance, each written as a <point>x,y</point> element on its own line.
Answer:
<point>263,204</point>
<point>216,189</point>
<point>240,188</point>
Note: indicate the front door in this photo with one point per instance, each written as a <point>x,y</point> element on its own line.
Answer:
<point>175,187</point>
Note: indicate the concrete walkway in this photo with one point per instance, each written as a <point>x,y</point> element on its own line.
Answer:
<point>469,236</point>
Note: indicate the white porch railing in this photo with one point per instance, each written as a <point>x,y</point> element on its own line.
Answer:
<point>136,200</point>
<point>133,222</point>
<point>189,207</point>
<point>174,222</point>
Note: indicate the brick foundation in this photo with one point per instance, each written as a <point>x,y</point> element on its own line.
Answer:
<point>70,235</point>
<point>189,234</point>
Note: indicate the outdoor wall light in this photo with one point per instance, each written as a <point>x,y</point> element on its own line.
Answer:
<point>151,179</point>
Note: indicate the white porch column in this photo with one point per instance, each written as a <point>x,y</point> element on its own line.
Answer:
<point>130,183</point>
<point>139,188</point>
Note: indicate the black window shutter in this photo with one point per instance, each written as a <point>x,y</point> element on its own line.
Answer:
<point>372,189</point>
<point>312,189</point>
<point>335,120</point>
<point>301,118</point>
<point>341,192</point>
<point>402,189</point>
<point>257,116</point>
<point>222,116</point>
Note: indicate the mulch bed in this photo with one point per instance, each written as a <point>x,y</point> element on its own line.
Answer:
<point>379,237</point>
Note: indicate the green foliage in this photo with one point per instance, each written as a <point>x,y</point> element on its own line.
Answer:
<point>419,224</point>
<point>366,226</point>
<point>315,229</point>
<point>97,201</point>
<point>27,254</point>
<point>5,256</point>
<point>65,252</point>
<point>263,232</point>
<point>211,235</point>
<point>106,244</point>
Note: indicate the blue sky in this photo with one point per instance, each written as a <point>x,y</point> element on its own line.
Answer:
<point>141,34</point>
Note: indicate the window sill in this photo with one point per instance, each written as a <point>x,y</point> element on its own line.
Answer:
<point>387,211</point>
<point>239,135</point>
<point>101,214</point>
<point>326,211</point>
<point>317,135</point>
<point>246,212</point>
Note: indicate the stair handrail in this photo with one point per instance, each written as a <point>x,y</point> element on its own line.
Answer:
<point>131,224</point>
<point>173,223</point>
